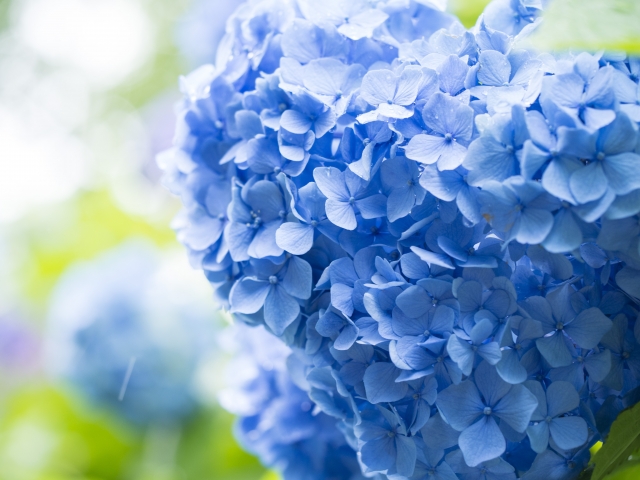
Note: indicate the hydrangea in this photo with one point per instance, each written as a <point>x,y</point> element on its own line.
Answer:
<point>443,226</point>
<point>128,329</point>
<point>276,419</point>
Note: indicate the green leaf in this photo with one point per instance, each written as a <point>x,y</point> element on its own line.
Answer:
<point>622,442</point>
<point>630,471</point>
<point>590,25</point>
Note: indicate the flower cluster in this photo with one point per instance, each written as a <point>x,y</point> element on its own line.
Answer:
<point>128,330</point>
<point>276,419</point>
<point>443,225</point>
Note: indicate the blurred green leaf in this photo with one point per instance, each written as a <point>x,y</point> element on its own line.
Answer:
<point>590,25</point>
<point>78,230</point>
<point>48,434</point>
<point>208,450</point>
<point>630,471</point>
<point>622,442</point>
<point>468,11</point>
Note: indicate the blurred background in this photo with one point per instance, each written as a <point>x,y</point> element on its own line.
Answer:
<point>92,280</point>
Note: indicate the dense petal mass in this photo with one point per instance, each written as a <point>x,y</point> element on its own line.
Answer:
<point>442,224</point>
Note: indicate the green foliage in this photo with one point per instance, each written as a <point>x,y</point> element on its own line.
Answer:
<point>50,435</point>
<point>208,451</point>
<point>468,11</point>
<point>79,229</point>
<point>620,447</point>
<point>590,25</point>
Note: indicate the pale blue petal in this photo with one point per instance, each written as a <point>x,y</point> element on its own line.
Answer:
<point>588,327</point>
<point>516,407</point>
<point>341,214</point>
<point>295,122</point>
<point>248,295</point>
<point>460,405</point>
<point>482,441</point>
<point>569,432</point>
<point>562,397</point>
<point>539,436</point>
<point>406,456</point>
<point>297,279</point>
<point>588,183</point>
<point>380,383</point>
<point>554,350</point>
<point>295,238</point>
<point>280,310</point>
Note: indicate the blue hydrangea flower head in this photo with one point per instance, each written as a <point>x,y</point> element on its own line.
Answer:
<point>441,224</point>
<point>128,330</point>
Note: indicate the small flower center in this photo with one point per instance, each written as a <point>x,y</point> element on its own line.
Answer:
<point>273,280</point>
<point>625,355</point>
<point>314,223</point>
<point>559,326</point>
<point>571,464</point>
<point>487,410</point>
<point>601,156</point>
<point>352,200</point>
<point>448,137</point>
<point>548,419</point>
<point>391,434</point>
<point>416,396</point>
<point>277,170</point>
<point>510,149</point>
<point>440,359</point>
<point>282,107</point>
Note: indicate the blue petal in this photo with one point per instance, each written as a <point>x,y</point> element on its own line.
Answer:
<point>554,350</point>
<point>621,172</point>
<point>374,206</point>
<point>588,183</point>
<point>297,280</point>
<point>569,432</point>
<point>331,183</point>
<point>379,454</point>
<point>433,258</point>
<point>562,397</point>
<point>248,295</point>
<point>482,441</point>
<point>437,434</point>
<point>378,86</point>
<point>295,122</point>
<point>380,383</point>
<point>295,238</point>
<point>461,352</point>
<point>347,337</point>
<point>460,405</point>
<point>628,279</point>
<point>406,457</point>
<point>342,298</point>
<point>495,68</point>
<point>510,369</point>
<point>516,407</point>
<point>425,148</point>
<point>539,436</point>
<point>341,214</point>
<point>588,327</point>
<point>280,310</point>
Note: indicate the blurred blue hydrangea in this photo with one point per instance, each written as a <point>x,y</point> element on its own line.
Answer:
<point>443,226</point>
<point>128,329</point>
<point>277,420</point>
